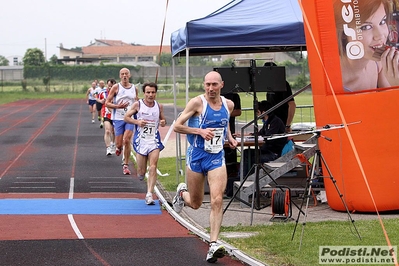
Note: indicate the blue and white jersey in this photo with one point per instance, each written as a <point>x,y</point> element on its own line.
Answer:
<point>123,95</point>
<point>210,118</point>
<point>103,90</point>
<point>147,138</point>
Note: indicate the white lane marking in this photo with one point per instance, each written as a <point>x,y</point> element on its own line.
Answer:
<point>70,216</point>
<point>71,187</point>
<point>75,227</point>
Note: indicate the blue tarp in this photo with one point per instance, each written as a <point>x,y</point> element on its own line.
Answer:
<point>244,26</point>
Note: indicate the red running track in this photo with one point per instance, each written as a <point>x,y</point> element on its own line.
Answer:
<point>51,150</point>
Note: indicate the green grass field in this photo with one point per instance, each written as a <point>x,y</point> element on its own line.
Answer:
<point>272,244</point>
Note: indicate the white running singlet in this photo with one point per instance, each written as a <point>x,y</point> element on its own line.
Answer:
<point>147,138</point>
<point>123,95</point>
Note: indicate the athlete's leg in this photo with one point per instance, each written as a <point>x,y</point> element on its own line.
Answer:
<point>195,185</point>
<point>152,171</point>
<point>91,109</point>
<point>119,129</point>
<point>217,179</point>
<point>141,164</point>
<point>127,145</point>
<point>108,132</point>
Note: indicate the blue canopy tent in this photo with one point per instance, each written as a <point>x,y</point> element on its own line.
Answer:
<point>241,26</point>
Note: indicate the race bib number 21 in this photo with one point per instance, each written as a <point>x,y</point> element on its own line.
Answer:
<point>148,131</point>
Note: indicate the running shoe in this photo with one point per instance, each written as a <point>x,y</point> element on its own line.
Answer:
<point>118,151</point>
<point>92,121</point>
<point>126,170</point>
<point>178,201</point>
<point>215,252</point>
<point>113,148</point>
<point>109,151</point>
<point>101,125</point>
<point>149,200</point>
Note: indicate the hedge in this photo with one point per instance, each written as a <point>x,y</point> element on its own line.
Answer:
<point>64,72</point>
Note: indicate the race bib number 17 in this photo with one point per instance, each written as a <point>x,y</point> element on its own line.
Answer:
<point>215,145</point>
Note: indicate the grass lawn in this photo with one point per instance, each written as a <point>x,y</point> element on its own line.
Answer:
<point>272,244</point>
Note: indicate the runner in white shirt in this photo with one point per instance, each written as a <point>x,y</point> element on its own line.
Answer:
<point>91,100</point>
<point>147,116</point>
<point>120,98</point>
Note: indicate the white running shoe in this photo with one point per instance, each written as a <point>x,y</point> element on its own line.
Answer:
<point>178,201</point>
<point>215,252</point>
<point>149,200</point>
<point>109,151</point>
<point>92,121</point>
<point>113,148</point>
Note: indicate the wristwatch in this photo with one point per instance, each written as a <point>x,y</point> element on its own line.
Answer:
<point>287,126</point>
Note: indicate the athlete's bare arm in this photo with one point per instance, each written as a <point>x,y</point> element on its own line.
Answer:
<point>109,102</point>
<point>193,108</point>
<point>232,141</point>
<point>162,119</point>
<point>129,115</point>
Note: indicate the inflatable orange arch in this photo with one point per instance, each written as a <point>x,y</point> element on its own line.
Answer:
<point>363,157</point>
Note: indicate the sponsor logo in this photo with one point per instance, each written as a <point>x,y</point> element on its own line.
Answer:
<point>350,14</point>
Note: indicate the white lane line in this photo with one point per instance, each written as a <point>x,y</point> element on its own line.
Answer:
<point>71,187</point>
<point>70,216</point>
<point>75,227</point>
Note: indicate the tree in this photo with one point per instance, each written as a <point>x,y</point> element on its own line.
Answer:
<point>165,60</point>
<point>3,61</point>
<point>76,49</point>
<point>54,60</point>
<point>33,57</point>
<point>228,62</point>
<point>297,55</point>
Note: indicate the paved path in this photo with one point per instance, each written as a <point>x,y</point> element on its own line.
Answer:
<point>63,202</point>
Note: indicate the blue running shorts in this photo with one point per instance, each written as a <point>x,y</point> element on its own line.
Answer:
<point>121,126</point>
<point>200,161</point>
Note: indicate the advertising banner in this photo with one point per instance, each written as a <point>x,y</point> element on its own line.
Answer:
<point>354,71</point>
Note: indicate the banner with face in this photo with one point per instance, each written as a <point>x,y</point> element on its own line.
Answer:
<point>354,71</point>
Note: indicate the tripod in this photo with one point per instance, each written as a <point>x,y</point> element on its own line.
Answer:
<point>318,161</point>
<point>257,165</point>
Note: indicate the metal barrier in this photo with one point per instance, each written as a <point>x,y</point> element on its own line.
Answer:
<point>303,113</point>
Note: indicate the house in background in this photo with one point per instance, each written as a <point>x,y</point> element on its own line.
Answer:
<point>119,52</point>
<point>112,52</point>
<point>14,60</point>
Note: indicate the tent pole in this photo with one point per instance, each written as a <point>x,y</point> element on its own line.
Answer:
<point>187,73</point>
<point>187,92</point>
<point>175,116</point>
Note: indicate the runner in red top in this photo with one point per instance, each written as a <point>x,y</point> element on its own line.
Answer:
<point>109,136</point>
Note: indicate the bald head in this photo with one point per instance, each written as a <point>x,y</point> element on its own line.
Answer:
<point>214,76</point>
<point>213,84</point>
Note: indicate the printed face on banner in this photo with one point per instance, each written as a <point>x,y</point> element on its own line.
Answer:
<point>367,40</point>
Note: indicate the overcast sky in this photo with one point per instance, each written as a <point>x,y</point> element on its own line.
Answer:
<point>44,24</point>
